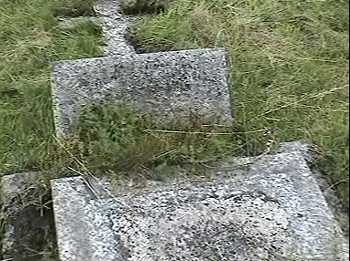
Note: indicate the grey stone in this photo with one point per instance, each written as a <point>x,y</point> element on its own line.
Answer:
<point>273,210</point>
<point>78,235</point>
<point>115,27</point>
<point>27,221</point>
<point>137,6</point>
<point>171,86</point>
<point>311,154</point>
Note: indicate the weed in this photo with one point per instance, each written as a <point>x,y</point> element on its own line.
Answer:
<point>144,6</point>
<point>115,138</point>
<point>73,8</point>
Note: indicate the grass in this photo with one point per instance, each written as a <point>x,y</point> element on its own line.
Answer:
<point>142,6</point>
<point>29,40</point>
<point>289,67</point>
<point>116,139</point>
<point>72,8</point>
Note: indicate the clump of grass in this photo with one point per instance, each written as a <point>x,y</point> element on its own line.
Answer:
<point>73,8</point>
<point>29,40</point>
<point>289,67</point>
<point>117,139</point>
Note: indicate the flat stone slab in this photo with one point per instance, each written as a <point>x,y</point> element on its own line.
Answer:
<point>114,24</point>
<point>170,86</point>
<point>271,210</point>
<point>115,27</point>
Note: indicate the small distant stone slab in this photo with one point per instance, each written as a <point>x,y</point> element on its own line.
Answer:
<point>171,86</point>
<point>274,210</point>
<point>115,27</point>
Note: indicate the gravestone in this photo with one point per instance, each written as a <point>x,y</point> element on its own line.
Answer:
<point>271,210</point>
<point>171,86</point>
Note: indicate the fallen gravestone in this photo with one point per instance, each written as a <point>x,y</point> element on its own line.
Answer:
<point>272,210</point>
<point>170,86</point>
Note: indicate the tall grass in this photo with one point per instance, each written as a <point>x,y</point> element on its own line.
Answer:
<point>29,40</point>
<point>289,67</point>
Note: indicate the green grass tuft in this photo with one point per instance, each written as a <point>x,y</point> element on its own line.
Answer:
<point>72,8</point>
<point>115,138</point>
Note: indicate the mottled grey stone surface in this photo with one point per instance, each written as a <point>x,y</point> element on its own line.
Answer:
<point>273,210</point>
<point>27,223</point>
<point>115,27</point>
<point>171,86</point>
<point>311,153</point>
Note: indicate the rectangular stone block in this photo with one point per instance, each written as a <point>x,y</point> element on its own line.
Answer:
<point>274,210</point>
<point>115,27</point>
<point>171,86</point>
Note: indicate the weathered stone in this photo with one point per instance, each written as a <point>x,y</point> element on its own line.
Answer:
<point>137,6</point>
<point>171,86</point>
<point>311,154</point>
<point>274,210</point>
<point>27,220</point>
<point>115,27</point>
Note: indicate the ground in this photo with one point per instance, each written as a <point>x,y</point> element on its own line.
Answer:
<point>289,64</point>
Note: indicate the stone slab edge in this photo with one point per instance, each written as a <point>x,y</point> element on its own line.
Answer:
<point>287,179</point>
<point>310,154</point>
<point>11,186</point>
<point>75,227</point>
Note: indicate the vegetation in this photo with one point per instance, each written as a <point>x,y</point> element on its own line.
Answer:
<point>289,67</point>
<point>115,139</point>
<point>72,8</point>
<point>30,39</point>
